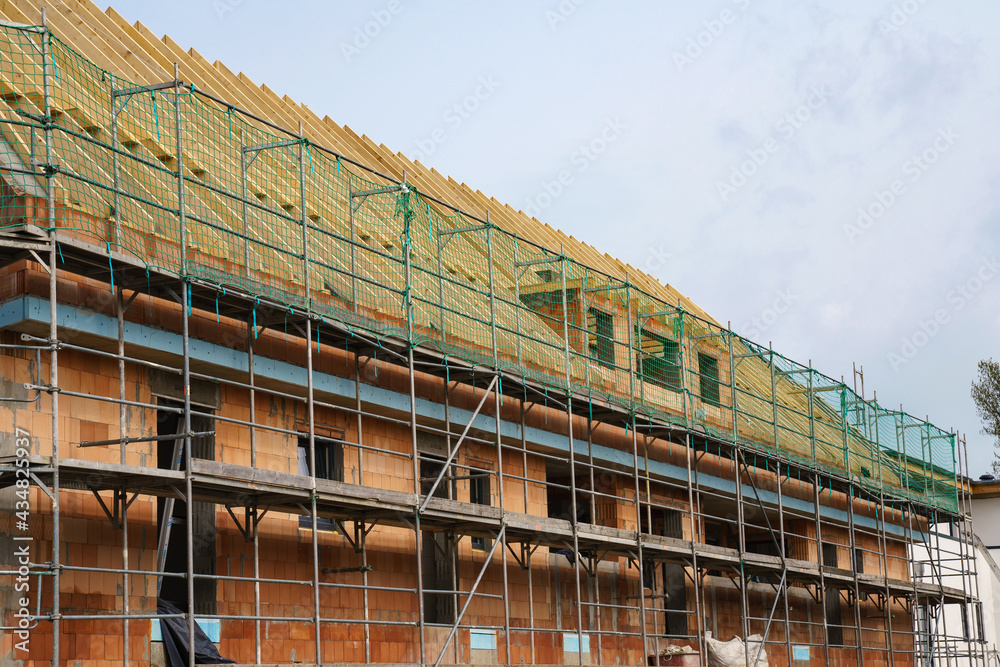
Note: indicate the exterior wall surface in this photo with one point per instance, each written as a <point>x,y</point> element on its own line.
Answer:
<point>986,522</point>
<point>285,549</point>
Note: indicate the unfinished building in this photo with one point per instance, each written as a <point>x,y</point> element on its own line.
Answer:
<point>337,408</point>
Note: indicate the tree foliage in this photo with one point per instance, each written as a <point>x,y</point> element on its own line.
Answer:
<point>986,394</point>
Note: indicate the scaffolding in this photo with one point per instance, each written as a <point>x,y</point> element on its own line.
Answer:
<point>178,200</point>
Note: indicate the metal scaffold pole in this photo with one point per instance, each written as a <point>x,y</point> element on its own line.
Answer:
<point>243,207</point>
<point>783,590</point>
<point>733,361</point>
<point>498,404</point>
<point>980,634</point>
<point>185,301</point>
<point>823,593</point>
<point>361,480</point>
<point>635,466</point>
<point>116,169</point>
<point>452,538</point>
<point>935,533</point>
<point>854,578</point>
<point>354,244</point>
<point>123,433</point>
<point>418,538</point>
<point>572,461</point>
<point>741,541</point>
<point>123,410</point>
<point>46,38</point>
<point>527,552</point>
<point>310,391</point>
<point>311,417</point>
<point>690,470</point>
<point>251,334</point>
<point>503,521</point>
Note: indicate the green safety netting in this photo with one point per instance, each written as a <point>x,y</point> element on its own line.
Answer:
<point>279,217</point>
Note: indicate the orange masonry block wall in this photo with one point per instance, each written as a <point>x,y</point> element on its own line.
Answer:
<point>541,604</point>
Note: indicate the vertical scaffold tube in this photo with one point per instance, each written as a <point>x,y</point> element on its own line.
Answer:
<point>635,465</point>
<point>408,295</point>
<point>50,197</point>
<point>186,372</point>
<point>572,463</point>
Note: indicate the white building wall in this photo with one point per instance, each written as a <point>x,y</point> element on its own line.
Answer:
<point>989,595</point>
<point>986,524</point>
<point>956,632</point>
<point>948,629</point>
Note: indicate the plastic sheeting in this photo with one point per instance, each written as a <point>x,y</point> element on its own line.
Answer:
<point>176,642</point>
<point>734,653</point>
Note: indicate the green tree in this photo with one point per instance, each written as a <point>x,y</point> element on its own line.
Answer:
<point>986,394</point>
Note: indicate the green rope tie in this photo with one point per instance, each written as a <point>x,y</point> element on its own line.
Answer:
<point>546,405</point>
<point>55,65</point>
<point>255,302</point>
<point>191,93</point>
<point>111,268</point>
<point>156,116</point>
<point>128,99</point>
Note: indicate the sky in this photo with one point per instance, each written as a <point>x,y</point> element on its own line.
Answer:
<point>822,174</point>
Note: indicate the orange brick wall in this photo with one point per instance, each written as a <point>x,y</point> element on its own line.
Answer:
<point>286,551</point>
<point>722,599</point>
